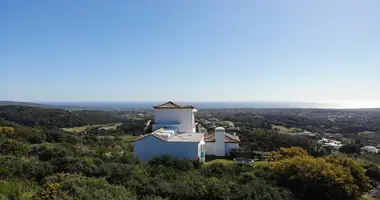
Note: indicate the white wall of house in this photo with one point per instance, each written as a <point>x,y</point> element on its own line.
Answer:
<point>210,148</point>
<point>220,149</point>
<point>185,118</point>
<point>151,146</point>
<point>230,146</point>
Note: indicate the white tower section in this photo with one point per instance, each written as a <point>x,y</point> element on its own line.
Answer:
<point>171,115</point>
<point>219,141</point>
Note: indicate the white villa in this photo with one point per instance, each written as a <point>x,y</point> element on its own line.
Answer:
<point>174,133</point>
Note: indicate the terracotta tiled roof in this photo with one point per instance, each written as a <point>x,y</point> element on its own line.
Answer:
<point>228,138</point>
<point>171,105</point>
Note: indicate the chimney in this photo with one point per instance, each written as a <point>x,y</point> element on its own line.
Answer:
<point>219,141</point>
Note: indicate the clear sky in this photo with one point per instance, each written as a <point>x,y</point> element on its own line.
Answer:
<point>196,50</point>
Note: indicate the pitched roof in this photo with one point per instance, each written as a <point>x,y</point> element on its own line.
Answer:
<point>171,105</point>
<point>228,138</point>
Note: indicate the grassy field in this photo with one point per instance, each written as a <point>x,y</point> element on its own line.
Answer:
<point>230,162</point>
<point>367,197</point>
<point>83,128</point>
<point>285,129</point>
<point>222,161</point>
<point>366,132</point>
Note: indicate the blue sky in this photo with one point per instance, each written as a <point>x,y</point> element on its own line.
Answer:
<point>95,50</point>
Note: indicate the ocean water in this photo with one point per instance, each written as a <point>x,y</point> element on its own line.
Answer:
<point>204,105</point>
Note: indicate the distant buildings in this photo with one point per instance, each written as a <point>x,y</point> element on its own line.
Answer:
<point>174,133</point>
<point>329,143</point>
<point>370,149</point>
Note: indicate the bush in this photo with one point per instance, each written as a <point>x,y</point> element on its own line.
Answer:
<point>314,178</point>
<point>8,131</point>
<point>68,186</point>
<point>350,149</point>
<point>17,189</point>
<point>174,162</point>
<point>24,168</point>
<point>14,147</point>
<point>217,170</point>
<point>287,153</point>
<point>373,172</point>
<point>258,189</point>
<point>354,168</point>
<point>217,189</point>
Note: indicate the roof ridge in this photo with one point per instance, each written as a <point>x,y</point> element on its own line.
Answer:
<point>171,104</point>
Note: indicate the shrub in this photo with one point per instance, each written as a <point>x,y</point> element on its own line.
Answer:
<point>354,168</point>
<point>217,189</point>
<point>217,170</point>
<point>350,149</point>
<point>287,153</point>
<point>258,189</point>
<point>315,178</point>
<point>373,172</point>
<point>174,162</point>
<point>68,186</point>
<point>13,147</point>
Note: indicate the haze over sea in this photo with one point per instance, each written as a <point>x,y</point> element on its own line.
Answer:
<point>203,105</point>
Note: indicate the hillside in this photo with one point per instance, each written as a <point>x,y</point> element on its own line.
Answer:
<point>20,103</point>
<point>36,116</point>
<point>40,161</point>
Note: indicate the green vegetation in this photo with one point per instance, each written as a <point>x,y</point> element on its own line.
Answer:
<point>374,158</point>
<point>220,161</point>
<point>40,161</point>
<point>128,138</point>
<point>87,127</point>
<point>285,129</point>
<point>366,132</point>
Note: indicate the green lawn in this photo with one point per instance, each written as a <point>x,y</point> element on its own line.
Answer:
<point>366,132</point>
<point>223,161</point>
<point>332,119</point>
<point>285,129</point>
<point>230,162</point>
<point>83,128</point>
<point>367,197</point>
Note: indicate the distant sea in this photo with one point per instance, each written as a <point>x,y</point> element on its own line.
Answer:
<point>205,105</point>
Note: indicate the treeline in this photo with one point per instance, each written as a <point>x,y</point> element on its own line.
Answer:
<point>348,122</point>
<point>128,127</point>
<point>34,116</point>
<point>270,140</point>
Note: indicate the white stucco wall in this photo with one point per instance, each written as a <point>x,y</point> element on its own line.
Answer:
<point>230,146</point>
<point>151,146</point>
<point>183,117</point>
<point>210,148</point>
<point>219,143</point>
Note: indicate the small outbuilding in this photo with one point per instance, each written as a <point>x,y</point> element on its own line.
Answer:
<point>221,143</point>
